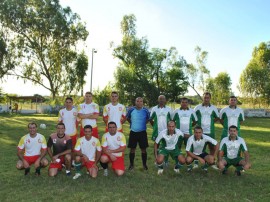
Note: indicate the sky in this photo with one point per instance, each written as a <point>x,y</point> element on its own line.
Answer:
<point>227,29</point>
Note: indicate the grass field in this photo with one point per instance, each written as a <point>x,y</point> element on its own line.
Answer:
<point>138,185</point>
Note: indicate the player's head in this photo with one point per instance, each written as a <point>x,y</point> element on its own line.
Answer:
<point>233,131</point>
<point>69,102</point>
<point>233,101</point>
<point>88,131</point>
<point>32,127</point>
<point>198,131</point>
<point>206,98</point>
<point>112,128</point>
<point>139,102</point>
<point>60,128</point>
<point>88,97</point>
<point>162,100</point>
<point>171,127</point>
<point>184,103</point>
<point>114,97</point>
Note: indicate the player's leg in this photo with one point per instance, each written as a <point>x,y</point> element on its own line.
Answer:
<point>92,169</point>
<point>68,164</point>
<point>143,143</point>
<point>162,154</point>
<point>78,165</point>
<point>104,160</point>
<point>245,165</point>
<point>52,171</point>
<point>189,161</point>
<point>40,163</point>
<point>118,166</point>
<point>19,165</point>
<point>223,166</point>
<point>179,160</point>
<point>132,144</point>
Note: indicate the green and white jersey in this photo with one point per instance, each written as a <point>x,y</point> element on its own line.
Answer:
<point>231,117</point>
<point>161,117</point>
<point>184,119</point>
<point>198,147</point>
<point>232,149</point>
<point>170,142</point>
<point>206,117</point>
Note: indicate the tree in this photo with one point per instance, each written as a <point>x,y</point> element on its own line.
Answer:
<point>198,74</point>
<point>220,87</point>
<point>144,72</point>
<point>255,78</point>
<point>41,39</point>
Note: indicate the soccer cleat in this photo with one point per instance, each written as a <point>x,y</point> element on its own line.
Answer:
<point>105,173</point>
<point>176,170</point>
<point>238,172</point>
<point>68,173</point>
<point>131,167</point>
<point>189,169</point>
<point>160,171</point>
<point>76,176</point>
<point>205,170</point>
<point>26,171</point>
<point>214,167</point>
<point>37,173</point>
<point>195,166</point>
<point>145,167</point>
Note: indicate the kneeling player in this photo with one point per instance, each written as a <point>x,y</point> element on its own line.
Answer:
<point>62,145</point>
<point>195,149</point>
<point>171,138</point>
<point>113,147</point>
<point>230,152</point>
<point>87,152</point>
<point>32,149</point>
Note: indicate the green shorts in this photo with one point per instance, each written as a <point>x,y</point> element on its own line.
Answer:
<point>233,162</point>
<point>173,153</point>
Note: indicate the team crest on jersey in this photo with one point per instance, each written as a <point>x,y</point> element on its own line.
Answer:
<point>39,140</point>
<point>94,144</point>
<point>28,140</point>
<point>120,108</point>
<point>54,141</point>
<point>118,138</point>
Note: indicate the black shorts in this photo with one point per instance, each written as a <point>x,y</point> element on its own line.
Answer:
<point>138,137</point>
<point>202,155</point>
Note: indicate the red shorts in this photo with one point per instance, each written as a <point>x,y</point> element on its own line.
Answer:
<point>31,159</point>
<point>88,164</point>
<point>58,164</point>
<point>94,132</point>
<point>74,140</point>
<point>118,164</point>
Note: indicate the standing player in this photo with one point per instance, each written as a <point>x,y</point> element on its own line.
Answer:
<point>88,152</point>
<point>138,117</point>
<point>61,154</point>
<point>113,147</point>
<point>230,152</point>
<point>170,138</point>
<point>185,118</point>
<point>115,112</point>
<point>89,112</point>
<point>68,116</point>
<point>32,149</point>
<point>196,146</point>
<point>231,115</point>
<point>207,115</point>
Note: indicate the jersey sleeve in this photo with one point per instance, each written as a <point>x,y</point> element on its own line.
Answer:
<point>176,118</point>
<point>221,113</point>
<point>216,114</point>
<point>104,142</point>
<point>159,137</point>
<point>105,111</point>
<point>189,144</point>
<point>211,140</point>
<point>60,116</point>
<point>21,143</point>
<point>98,145</point>
<point>50,142</point>
<point>123,140</point>
<point>43,143</point>
<point>243,145</point>
<point>80,109</point>
<point>153,113</point>
<point>78,145</point>
<point>241,116</point>
<point>96,111</point>
<point>194,116</point>
<point>222,145</point>
<point>129,113</point>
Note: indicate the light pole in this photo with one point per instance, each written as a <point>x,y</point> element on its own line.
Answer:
<point>93,51</point>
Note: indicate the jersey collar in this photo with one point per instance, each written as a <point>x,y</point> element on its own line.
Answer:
<point>184,109</point>
<point>206,105</point>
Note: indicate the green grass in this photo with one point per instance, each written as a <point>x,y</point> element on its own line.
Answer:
<point>138,185</point>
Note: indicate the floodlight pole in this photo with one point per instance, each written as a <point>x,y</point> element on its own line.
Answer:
<point>93,51</point>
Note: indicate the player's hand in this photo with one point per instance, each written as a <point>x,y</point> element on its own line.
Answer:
<point>25,164</point>
<point>202,161</point>
<point>54,159</point>
<point>112,157</point>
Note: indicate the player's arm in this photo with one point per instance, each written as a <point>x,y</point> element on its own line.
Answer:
<point>220,155</point>
<point>120,149</point>
<point>123,119</point>
<point>105,119</point>
<point>20,153</point>
<point>98,155</point>
<point>88,116</point>
<point>155,149</point>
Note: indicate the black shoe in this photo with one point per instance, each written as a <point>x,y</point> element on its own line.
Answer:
<point>238,172</point>
<point>26,171</point>
<point>145,167</point>
<point>131,167</point>
<point>37,173</point>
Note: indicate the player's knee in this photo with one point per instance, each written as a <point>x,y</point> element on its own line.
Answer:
<point>44,162</point>
<point>182,160</point>
<point>119,172</point>
<point>52,174</point>
<point>104,159</point>
<point>189,160</point>
<point>211,160</point>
